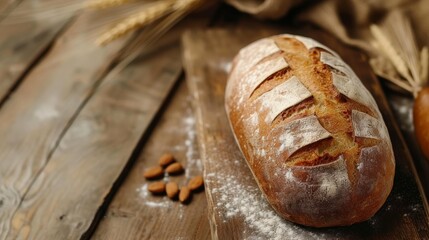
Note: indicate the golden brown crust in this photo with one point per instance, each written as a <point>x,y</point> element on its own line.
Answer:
<point>310,132</point>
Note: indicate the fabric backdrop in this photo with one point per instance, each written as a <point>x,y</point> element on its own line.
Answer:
<point>349,20</point>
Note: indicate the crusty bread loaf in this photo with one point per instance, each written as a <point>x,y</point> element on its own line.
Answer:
<point>310,131</point>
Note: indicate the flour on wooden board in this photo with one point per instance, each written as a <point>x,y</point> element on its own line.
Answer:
<point>237,199</point>
<point>193,166</point>
<point>193,162</point>
<point>153,201</point>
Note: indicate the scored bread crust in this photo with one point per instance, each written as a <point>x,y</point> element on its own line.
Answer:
<point>310,132</point>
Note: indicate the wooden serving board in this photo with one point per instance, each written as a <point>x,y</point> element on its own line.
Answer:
<point>236,207</point>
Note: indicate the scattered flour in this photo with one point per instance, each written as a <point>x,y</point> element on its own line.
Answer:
<point>46,112</point>
<point>237,200</point>
<point>152,201</point>
<point>193,166</point>
<point>193,162</point>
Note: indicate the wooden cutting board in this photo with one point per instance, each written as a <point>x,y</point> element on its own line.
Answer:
<point>237,209</point>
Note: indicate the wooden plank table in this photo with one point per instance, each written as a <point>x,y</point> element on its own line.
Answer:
<point>76,137</point>
<point>22,44</point>
<point>135,214</point>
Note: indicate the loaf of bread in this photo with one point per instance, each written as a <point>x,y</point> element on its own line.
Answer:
<point>310,132</point>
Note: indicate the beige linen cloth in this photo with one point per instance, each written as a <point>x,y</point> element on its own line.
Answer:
<point>348,20</point>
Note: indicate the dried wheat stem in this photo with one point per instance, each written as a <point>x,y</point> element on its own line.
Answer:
<point>401,32</point>
<point>147,16</point>
<point>424,62</point>
<point>102,4</point>
<point>397,81</point>
<point>147,38</point>
<point>387,48</point>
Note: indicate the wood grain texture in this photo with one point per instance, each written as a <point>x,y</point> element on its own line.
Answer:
<point>33,120</point>
<point>136,214</point>
<point>95,149</point>
<point>21,44</point>
<point>403,216</point>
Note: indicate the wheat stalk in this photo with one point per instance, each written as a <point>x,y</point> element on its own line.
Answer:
<point>146,16</point>
<point>383,71</point>
<point>398,46</point>
<point>399,27</point>
<point>388,50</point>
<point>153,33</point>
<point>103,4</point>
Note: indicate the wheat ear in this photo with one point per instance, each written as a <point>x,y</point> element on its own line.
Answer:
<point>387,48</point>
<point>152,34</point>
<point>146,16</point>
<point>102,4</point>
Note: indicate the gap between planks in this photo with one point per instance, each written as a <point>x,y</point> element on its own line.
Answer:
<point>134,213</point>
<point>132,159</point>
<point>117,126</point>
<point>14,109</point>
<point>24,45</point>
<point>7,91</point>
<point>25,227</point>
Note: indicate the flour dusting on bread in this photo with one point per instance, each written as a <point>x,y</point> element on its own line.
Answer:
<point>286,95</point>
<point>310,131</point>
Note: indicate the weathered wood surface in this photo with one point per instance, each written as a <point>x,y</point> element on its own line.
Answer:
<point>95,149</point>
<point>34,119</point>
<point>21,44</point>
<point>134,213</point>
<point>236,207</point>
<point>96,146</point>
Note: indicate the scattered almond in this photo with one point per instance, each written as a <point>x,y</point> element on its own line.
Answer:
<point>174,168</point>
<point>154,172</point>
<point>196,183</point>
<point>184,195</point>
<point>172,189</point>
<point>166,160</point>
<point>157,187</point>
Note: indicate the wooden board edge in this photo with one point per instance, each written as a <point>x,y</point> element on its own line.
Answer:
<point>193,89</point>
<point>407,152</point>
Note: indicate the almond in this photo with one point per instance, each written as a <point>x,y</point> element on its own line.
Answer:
<point>172,189</point>
<point>153,172</point>
<point>157,187</point>
<point>166,160</point>
<point>196,183</point>
<point>174,168</point>
<point>184,195</point>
